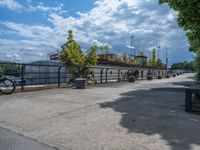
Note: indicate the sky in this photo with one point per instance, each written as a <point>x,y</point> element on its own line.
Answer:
<point>31,29</point>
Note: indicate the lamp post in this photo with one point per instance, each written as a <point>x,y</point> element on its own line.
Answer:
<point>166,58</point>
<point>132,36</point>
<point>158,47</point>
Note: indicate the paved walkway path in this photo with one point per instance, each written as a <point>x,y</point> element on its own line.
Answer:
<point>146,115</point>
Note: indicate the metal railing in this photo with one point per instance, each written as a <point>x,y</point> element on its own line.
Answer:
<point>27,75</point>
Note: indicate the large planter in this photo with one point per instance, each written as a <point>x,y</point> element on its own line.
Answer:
<point>159,77</point>
<point>80,83</point>
<point>174,75</point>
<point>149,77</point>
<point>131,79</point>
<point>168,76</point>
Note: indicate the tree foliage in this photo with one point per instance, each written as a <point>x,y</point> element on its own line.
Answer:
<point>141,54</point>
<point>183,65</point>
<point>75,59</point>
<point>9,70</point>
<point>153,58</point>
<point>188,19</point>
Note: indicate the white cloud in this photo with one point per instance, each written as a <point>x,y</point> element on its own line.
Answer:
<point>11,4</point>
<point>40,7</point>
<point>110,22</point>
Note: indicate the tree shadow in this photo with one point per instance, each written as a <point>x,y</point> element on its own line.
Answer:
<point>158,111</point>
<point>186,83</point>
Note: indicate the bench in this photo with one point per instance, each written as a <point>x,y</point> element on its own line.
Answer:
<point>193,89</point>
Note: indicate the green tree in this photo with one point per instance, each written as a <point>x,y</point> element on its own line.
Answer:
<point>75,59</point>
<point>153,61</point>
<point>125,58</point>
<point>1,71</point>
<point>149,62</point>
<point>9,70</point>
<point>141,54</point>
<point>197,64</point>
<point>159,63</point>
<point>183,65</point>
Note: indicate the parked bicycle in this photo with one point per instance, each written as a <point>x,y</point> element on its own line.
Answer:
<point>7,86</point>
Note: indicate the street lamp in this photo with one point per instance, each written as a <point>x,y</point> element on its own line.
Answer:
<point>158,47</point>
<point>132,36</point>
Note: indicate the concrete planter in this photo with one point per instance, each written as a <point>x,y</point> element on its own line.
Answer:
<point>167,76</point>
<point>80,83</point>
<point>149,77</point>
<point>131,79</point>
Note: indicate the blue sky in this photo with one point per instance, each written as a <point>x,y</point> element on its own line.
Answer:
<point>29,29</point>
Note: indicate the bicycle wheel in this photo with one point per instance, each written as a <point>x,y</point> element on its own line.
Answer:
<point>7,86</point>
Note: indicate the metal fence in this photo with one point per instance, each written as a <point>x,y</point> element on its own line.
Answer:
<point>36,75</point>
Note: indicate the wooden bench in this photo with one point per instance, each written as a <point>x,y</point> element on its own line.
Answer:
<point>193,89</point>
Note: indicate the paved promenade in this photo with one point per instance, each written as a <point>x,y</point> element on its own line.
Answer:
<point>146,115</point>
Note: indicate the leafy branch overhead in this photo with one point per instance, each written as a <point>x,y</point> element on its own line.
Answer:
<point>188,19</point>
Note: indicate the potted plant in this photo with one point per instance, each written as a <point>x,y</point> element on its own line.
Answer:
<point>77,61</point>
<point>149,75</point>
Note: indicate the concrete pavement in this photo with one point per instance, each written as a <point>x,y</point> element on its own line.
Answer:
<point>146,115</point>
<point>13,141</point>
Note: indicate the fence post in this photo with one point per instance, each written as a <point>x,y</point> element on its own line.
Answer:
<point>22,76</point>
<point>118,75</point>
<point>129,70</point>
<point>59,76</point>
<point>142,74</point>
<point>101,75</point>
<point>106,75</point>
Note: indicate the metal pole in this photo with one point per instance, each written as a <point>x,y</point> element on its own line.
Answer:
<point>101,75</point>
<point>119,75</point>
<point>59,76</point>
<point>107,75</point>
<point>132,36</point>
<point>22,76</point>
<point>166,58</point>
<point>158,46</point>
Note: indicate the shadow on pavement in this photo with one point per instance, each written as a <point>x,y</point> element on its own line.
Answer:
<point>186,83</point>
<point>158,111</point>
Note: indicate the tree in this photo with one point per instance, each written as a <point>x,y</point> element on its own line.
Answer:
<point>125,58</point>
<point>9,69</point>
<point>188,19</point>
<point>159,63</point>
<point>153,61</point>
<point>183,65</point>
<point>75,59</point>
<point>141,54</point>
<point>1,71</point>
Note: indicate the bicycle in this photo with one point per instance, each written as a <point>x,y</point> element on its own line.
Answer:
<point>7,86</point>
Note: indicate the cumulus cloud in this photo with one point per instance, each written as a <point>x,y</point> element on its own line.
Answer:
<point>41,7</point>
<point>110,22</point>
<point>11,4</point>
